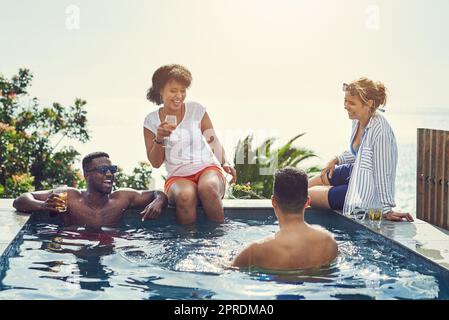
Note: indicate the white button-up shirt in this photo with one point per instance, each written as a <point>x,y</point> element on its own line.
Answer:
<point>372,181</point>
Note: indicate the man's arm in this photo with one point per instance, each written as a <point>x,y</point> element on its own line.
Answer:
<point>246,258</point>
<point>152,201</point>
<point>140,199</point>
<point>32,201</point>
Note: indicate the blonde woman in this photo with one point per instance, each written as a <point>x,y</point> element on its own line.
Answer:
<point>192,154</point>
<point>364,175</point>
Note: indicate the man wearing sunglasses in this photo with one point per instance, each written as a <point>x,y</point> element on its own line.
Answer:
<point>97,206</point>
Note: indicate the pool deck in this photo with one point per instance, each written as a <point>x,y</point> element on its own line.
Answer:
<point>419,236</point>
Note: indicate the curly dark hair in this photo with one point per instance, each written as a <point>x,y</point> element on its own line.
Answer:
<point>290,189</point>
<point>163,75</point>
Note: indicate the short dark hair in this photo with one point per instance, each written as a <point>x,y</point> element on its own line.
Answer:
<point>290,189</point>
<point>163,75</point>
<point>88,159</point>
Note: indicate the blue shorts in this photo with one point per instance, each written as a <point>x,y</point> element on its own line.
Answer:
<point>339,182</point>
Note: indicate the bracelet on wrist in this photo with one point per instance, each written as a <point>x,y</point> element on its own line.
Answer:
<point>156,141</point>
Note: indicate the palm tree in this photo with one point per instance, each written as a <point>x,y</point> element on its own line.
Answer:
<point>255,166</point>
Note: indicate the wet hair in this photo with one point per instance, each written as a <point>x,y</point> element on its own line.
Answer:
<point>366,90</point>
<point>163,75</point>
<point>91,156</point>
<point>290,189</point>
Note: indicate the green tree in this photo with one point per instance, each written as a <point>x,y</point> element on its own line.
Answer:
<point>255,165</point>
<point>28,156</point>
<point>139,179</point>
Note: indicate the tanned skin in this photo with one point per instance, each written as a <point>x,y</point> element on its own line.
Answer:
<point>297,245</point>
<point>97,206</point>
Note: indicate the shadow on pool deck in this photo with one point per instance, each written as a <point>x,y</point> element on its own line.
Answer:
<point>419,236</point>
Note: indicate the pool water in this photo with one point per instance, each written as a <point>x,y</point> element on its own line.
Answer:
<point>162,260</point>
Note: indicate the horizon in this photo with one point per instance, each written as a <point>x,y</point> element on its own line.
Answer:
<point>260,64</point>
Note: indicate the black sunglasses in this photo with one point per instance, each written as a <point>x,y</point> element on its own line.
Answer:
<point>104,169</point>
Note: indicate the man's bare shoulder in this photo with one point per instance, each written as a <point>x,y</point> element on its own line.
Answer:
<point>130,193</point>
<point>125,192</point>
<point>75,191</point>
<point>265,246</point>
<point>322,232</point>
<point>327,240</point>
<point>260,245</point>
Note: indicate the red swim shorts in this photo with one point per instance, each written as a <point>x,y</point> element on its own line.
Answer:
<point>194,177</point>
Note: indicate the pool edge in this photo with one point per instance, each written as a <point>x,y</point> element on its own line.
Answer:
<point>390,230</point>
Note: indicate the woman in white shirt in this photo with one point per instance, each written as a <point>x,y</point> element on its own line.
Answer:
<point>363,176</point>
<point>191,151</point>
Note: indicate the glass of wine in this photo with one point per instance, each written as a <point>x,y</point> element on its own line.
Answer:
<point>171,122</point>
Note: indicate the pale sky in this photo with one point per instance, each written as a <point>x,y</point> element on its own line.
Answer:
<point>272,65</point>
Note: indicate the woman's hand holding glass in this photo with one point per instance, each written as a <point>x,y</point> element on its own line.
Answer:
<point>165,129</point>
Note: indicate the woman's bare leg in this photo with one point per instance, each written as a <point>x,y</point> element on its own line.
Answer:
<point>319,196</point>
<point>183,195</point>
<point>319,180</point>
<point>211,189</point>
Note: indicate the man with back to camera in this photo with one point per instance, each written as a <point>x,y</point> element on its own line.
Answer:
<point>297,245</point>
<point>97,206</point>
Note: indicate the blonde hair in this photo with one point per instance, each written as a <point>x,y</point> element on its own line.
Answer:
<point>367,89</point>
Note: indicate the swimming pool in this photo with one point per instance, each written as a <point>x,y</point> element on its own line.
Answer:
<point>162,260</point>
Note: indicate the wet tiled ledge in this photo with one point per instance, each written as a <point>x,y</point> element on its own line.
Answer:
<point>419,236</point>
<point>10,223</point>
<point>246,204</point>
